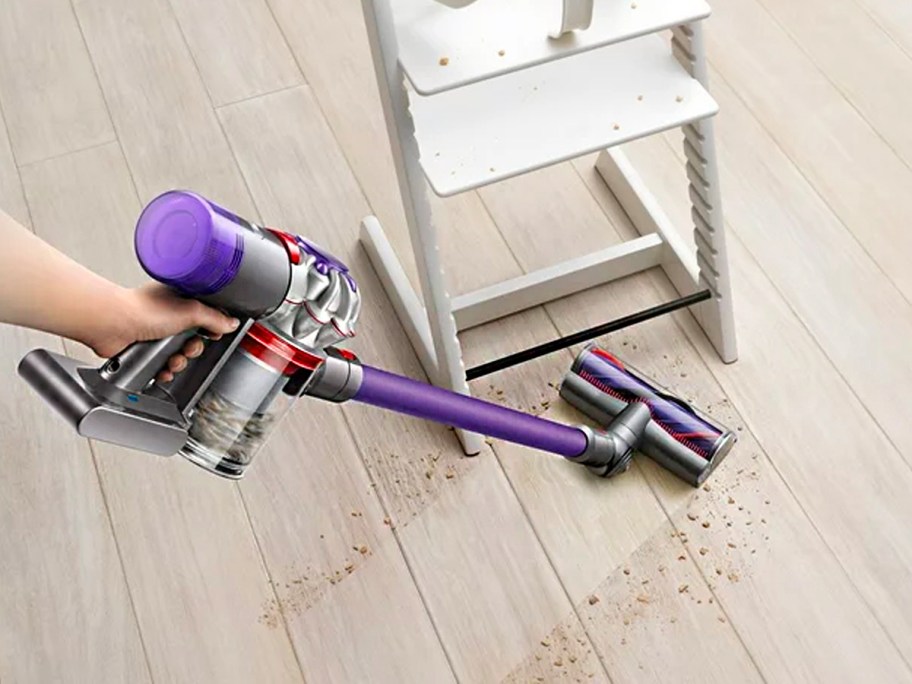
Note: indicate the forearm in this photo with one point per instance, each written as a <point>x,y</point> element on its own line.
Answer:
<point>44,289</point>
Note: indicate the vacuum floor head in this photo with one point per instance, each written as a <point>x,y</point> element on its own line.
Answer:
<point>677,437</point>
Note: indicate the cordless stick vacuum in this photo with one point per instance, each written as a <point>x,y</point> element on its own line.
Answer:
<point>296,303</point>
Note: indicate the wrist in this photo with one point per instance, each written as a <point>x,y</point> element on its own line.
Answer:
<point>110,316</point>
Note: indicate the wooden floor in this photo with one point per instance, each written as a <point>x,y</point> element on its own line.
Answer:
<point>363,547</point>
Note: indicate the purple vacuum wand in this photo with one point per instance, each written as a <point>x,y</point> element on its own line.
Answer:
<point>404,395</point>
<point>341,377</point>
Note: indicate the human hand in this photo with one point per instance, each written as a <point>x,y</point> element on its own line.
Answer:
<point>152,312</point>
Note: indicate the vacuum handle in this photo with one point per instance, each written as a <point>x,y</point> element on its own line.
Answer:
<point>134,367</point>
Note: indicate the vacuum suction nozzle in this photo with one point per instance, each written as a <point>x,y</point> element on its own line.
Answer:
<point>608,453</point>
<point>676,436</point>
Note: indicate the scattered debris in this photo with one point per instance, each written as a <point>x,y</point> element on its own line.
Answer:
<point>703,550</point>
<point>593,600</point>
<point>683,588</point>
<point>444,61</point>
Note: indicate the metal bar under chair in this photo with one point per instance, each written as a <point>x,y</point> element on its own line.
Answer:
<point>584,335</point>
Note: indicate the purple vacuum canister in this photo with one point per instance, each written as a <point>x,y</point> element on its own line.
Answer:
<point>203,251</point>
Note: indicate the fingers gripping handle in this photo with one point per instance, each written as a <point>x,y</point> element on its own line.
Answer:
<point>134,367</point>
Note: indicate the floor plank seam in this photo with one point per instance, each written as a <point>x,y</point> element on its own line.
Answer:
<point>887,32</point>
<point>272,584</point>
<point>387,512</point>
<point>287,42</point>
<point>196,66</point>
<point>555,329</point>
<point>257,96</point>
<point>107,105</point>
<point>779,474</point>
<point>906,460</point>
<point>263,562</point>
<point>123,567</point>
<point>111,526</point>
<point>693,561</point>
<point>367,201</point>
<point>718,74</point>
<point>350,428</point>
<point>747,426</point>
<point>575,611</point>
<point>319,103</point>
<point>135,187</point>
<point>361,456</point>
<point>101,486</point>
<point>104,497</point>
<point>825,575</point>
<point>17,169</point>
<point>668,514</point>
<point>62,155</point>
<point>823,72</point>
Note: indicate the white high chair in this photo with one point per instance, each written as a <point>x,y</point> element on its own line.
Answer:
<point>493,95</point>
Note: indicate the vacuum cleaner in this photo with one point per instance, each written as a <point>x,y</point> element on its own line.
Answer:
<point>297,303</point>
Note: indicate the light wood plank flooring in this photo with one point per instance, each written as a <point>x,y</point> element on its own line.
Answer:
<point>363,547</point>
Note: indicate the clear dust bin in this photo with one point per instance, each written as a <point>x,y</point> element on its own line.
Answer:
<point>240,409</point>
